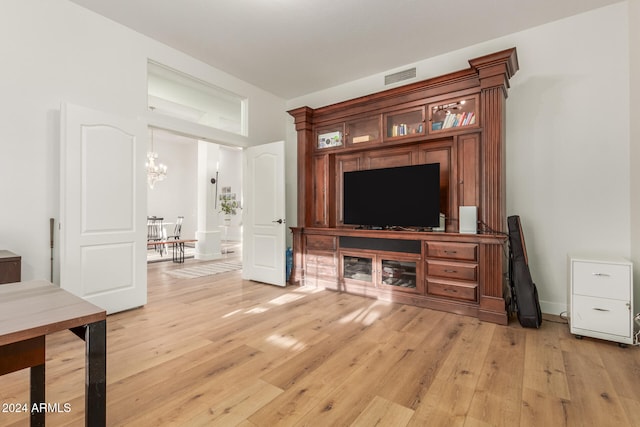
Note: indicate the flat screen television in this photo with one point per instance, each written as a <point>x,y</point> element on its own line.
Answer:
<point>407,196</point>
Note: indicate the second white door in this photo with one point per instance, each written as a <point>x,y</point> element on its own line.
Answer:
<point>264,241</point>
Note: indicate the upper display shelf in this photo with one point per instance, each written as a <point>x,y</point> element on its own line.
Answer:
<point>454,114</point>
<point>447,116</point>
<point>427,109</point>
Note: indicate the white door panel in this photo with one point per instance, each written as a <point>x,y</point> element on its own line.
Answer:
<point>264,207</point>
<point>107,197</point>
<point>103,208</point>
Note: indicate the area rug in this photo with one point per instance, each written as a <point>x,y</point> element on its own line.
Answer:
<point>205,269</point>
<point>155,256</point>
<point>228,247</point>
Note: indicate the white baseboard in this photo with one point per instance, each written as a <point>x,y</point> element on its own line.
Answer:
<point>556,308</point>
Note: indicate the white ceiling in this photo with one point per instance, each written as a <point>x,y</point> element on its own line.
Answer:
<point>294,47</point>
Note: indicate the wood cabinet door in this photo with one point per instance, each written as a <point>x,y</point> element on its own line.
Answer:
<point>344,163</point>
<point>320,195</point>
<point>391,157</point>
<point>442,153</point>
<point>400,272</point>
<point>468,170</point>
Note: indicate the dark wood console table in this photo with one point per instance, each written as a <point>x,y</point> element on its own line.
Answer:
<point>10,267</point>
<point>29,311</point>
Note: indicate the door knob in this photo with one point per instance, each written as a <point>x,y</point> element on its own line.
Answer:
<point>279,221</point>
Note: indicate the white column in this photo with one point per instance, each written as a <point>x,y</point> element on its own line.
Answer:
<point>208,235</point>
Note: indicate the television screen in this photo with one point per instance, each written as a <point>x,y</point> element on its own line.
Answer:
<point>407,196</point>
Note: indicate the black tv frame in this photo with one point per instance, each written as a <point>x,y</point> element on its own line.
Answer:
<point>393,198</point>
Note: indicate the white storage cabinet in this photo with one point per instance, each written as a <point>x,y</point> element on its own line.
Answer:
<point>601,298</point>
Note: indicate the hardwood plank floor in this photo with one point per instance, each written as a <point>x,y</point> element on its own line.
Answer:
<point>220,351</point>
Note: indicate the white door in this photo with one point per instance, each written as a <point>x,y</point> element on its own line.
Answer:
<point>103,202</point>
<point>263,212</point>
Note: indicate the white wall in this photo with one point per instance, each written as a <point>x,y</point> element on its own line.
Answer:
<point>55,51</point>
<point>177,194</point>
<point>634,53</point>
<point>230,175</point>
<point>568,174</point>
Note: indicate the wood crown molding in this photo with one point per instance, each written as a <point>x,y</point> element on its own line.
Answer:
<point>493,70</point>
<point>496,69</point>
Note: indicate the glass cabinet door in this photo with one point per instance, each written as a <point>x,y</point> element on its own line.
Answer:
<point>400,274</point>
<point>330,136</point>
<point>357,268</point>
<point>454,114</point>
<point>363,130</point>
<point>404,123</point>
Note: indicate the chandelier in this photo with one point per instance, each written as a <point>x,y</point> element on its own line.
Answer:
<point>155,172</point>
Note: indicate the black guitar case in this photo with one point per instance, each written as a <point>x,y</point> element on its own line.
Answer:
<point>523,291</point>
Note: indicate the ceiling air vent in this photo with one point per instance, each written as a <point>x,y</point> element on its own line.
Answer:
<point>399,76</point>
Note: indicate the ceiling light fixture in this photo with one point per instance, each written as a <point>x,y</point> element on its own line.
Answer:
<point>155,172</point>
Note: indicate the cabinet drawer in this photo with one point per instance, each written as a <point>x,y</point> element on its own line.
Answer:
<point>602,280</point>
<point>320,267</point>
<point>324,259</point>
<point>318,271</point>
<point>452,270</point>
<point>458,251</point>
<point>456,290</point>
<point>601,315</point>
<point>327,243</point>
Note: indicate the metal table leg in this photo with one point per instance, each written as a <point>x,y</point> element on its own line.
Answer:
<point>95,337</point>
<point>96,374</point>
<point>37,395</point>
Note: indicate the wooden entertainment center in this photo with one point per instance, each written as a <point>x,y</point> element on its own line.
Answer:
<point>456,120</point>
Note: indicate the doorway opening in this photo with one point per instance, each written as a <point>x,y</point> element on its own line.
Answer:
<point>202,178</point>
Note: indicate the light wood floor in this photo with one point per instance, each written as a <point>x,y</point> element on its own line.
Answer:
<point>221,351</point>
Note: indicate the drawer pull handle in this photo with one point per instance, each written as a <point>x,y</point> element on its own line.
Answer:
<point>450,290</point>
<point>601,274</point>
<point>450,271</point>
<point>450,252</point>
<point>600,309</point>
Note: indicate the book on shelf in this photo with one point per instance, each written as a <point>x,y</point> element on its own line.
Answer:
<point>361,138</point>
<point>399,130</point>
<point>455,120</point>
<point>471,119</point>
<point>404,129</point>
<point>448,121</point>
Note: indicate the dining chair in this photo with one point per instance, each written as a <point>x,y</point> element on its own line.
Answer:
<point>154,231</point>
<point>177,229</point>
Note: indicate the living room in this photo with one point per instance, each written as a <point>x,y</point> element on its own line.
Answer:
<point>572,157</point>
